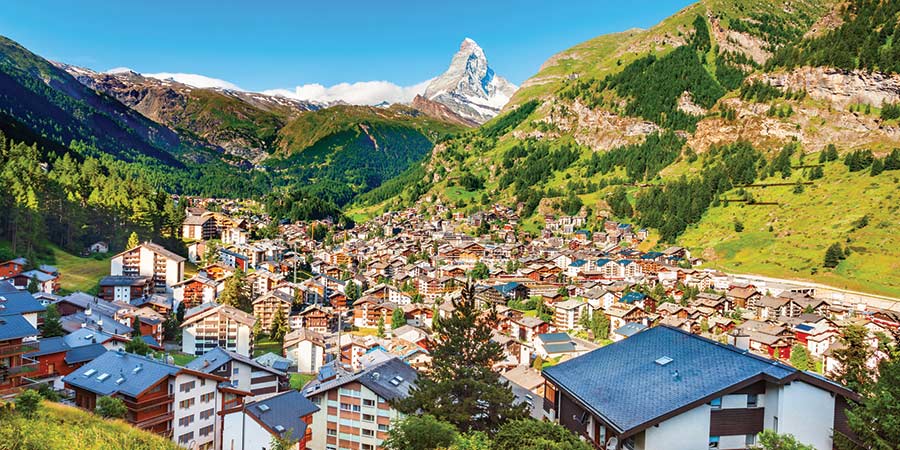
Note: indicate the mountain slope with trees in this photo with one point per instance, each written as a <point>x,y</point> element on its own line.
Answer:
<point>738,157</point>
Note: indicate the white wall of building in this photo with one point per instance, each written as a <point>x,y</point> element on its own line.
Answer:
<point>686,431</point>
<point>201,387</point>
<point>241,432</point>
<point>807,412</point>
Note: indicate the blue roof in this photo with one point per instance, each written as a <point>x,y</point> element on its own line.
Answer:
<point>14,301</point>
<point>554,337</point>
<point>632,297</point>
<point>15,327</point>
<point>651,255</point>
<point>630,329</point>
<point>283,412</point>
<point>602,262</point>
<point>151,341</point>
<point>137,374</point>
<point>578,263</point>
<point>86,336</point>
<point>50,345</point>
<point>507,288</point>
<point>84,353</point>
<point>804,327</point>
<point>624,385</point>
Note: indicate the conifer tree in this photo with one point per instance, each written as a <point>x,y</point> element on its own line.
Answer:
<point>133,240</point>
<point>52,325</point>
<point>853,357</point>
<point>461,388</point>
<point>833,256</point>
<point>279,325</point>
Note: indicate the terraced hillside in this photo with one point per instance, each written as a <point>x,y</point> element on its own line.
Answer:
<point>665,127</point>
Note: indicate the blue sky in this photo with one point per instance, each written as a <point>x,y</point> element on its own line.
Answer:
<point>259,45</point>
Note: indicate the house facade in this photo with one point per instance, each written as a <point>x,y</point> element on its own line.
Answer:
<point>150,260</point>
<point>217,326</point>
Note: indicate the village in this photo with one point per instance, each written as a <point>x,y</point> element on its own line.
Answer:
<point>312,331</point>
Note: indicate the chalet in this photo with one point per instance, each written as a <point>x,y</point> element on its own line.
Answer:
<point>743,297</point>
<point>12,267</point>
<point>14,365</point>
<point>315,318</point>
<point>641,300</point>
<point>171,401</point>
<point>122,288</point>
<point>16,302</point>
<point>46,279</point>
<point>763,338</point>
<point>99,247</point>
<point>620,314</point>
<point>367,311</point>
<point>626,331</point>
<point>526,328</point>
<point>197,290</point>
<point>265,307</point>
<point>646,392</point>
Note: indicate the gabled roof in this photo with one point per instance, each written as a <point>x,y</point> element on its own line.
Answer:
<point>49,346</point>
<point>625,386</point>
<point>158,249</point>
<point>200,312</point>
<point>84,353</point>
<point>15,327</point>
<point>390,379</point>
<point>126,373</point>
<point>282,413</point>
<point>15,302</point>
<point>217,357</point>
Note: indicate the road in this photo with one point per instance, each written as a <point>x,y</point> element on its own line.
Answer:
<point>828,292</point>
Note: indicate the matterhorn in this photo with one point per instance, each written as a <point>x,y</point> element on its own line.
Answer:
<point>470,87</point>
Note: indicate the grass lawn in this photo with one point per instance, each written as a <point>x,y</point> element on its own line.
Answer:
<point>298,380</point>
<point>78,274</point>
<point>365,332</point>
<point>265,345</point>
<point>182,358</point>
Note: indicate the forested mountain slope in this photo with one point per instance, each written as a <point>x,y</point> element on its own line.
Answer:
<point>685,128</point>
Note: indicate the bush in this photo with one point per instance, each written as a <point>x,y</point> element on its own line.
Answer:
<point>111,407</point>
<point>28,403</point>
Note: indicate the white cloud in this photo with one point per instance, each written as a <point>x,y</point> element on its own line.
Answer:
<point>116,70</point>
<point>359,93</point>
<point>192,79</point>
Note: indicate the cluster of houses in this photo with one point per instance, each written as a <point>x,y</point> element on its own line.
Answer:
<point>695,357</point>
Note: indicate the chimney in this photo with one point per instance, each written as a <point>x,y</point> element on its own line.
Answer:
<point>88,311</point>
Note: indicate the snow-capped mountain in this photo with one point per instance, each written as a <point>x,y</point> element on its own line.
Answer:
<point>470,87</point>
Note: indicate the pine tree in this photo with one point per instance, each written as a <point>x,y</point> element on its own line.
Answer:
<point>236,292</point>
<point>876,421</point>
<point>833,256</point>
<point>398,319</point>
<point>831,152</point>
<point>52,325</point>
<point>133,240</point>
<point>279,325</point>
<point>800,357</point>
<point>380,328</point>
<point>877,167</point>
<point>461,388</point>
<point>136,327</point>
<point>32,286</point>
<point>853,357</point>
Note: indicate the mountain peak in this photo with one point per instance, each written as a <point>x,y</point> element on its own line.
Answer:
<point>470,87</point>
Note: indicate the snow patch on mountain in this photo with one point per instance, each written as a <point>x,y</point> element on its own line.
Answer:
<point>470,87</point>
<point>195,80</point>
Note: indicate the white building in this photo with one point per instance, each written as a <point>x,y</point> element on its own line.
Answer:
<point>280,415</point>
<point>667,389</point>
<point>150,260</point>
<point>306,350</point>
<point>209,326</point>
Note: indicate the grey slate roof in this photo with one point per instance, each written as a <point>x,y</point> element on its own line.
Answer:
<point>283,412</point>
<point>47,346</point>
<point>624,385</point>
<point>390,379</point>
<point>16,326</point>
<point>138,373</point>
<point>215,358</point>
<point>84,353</point>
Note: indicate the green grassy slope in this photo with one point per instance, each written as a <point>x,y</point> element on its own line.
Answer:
<point>60,427</point>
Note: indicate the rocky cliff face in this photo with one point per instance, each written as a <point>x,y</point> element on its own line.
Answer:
<point>441,112</point>
<point>469,87</point>
<point>841,88</point>
<point>244,124</point>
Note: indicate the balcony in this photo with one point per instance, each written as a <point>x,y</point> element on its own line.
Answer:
<point>27,366</point>
<point>18,349</point>
<point>148,403</point>
<point>162,418</point>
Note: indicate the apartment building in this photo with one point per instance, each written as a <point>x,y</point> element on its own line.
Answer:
<point>567,315</point>
<point>244,373</point>
<point>122,288</point>
<point>354,407</point>
<point>150,260</point>
<point>273,416</point>
<point>306,350</point>
<point>168,400</point>
<point>667,389</point>
<point>265,306</point>
<point>210,325</point>
<point>197,290</point>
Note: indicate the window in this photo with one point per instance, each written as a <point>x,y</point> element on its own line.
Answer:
<point>368,418</point>
<point>207,430</point>
<point>332,432</point>
<point>186,387</point>
<point>203,382</point>
<point>186,437</point>
<point>185,404</point>
<point>716,403</point>
<point>185,421</point>
<point>367,447</point>
<point>208,397</point>
<point>366,432</point>
<point>713,442</point>
<point>368,402</point>
<point>207,414</point>
<point>752,400</point>
<point>235,371</point>
<point>750,440</point>
<point>317,399</point>
<point>382,427</point>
